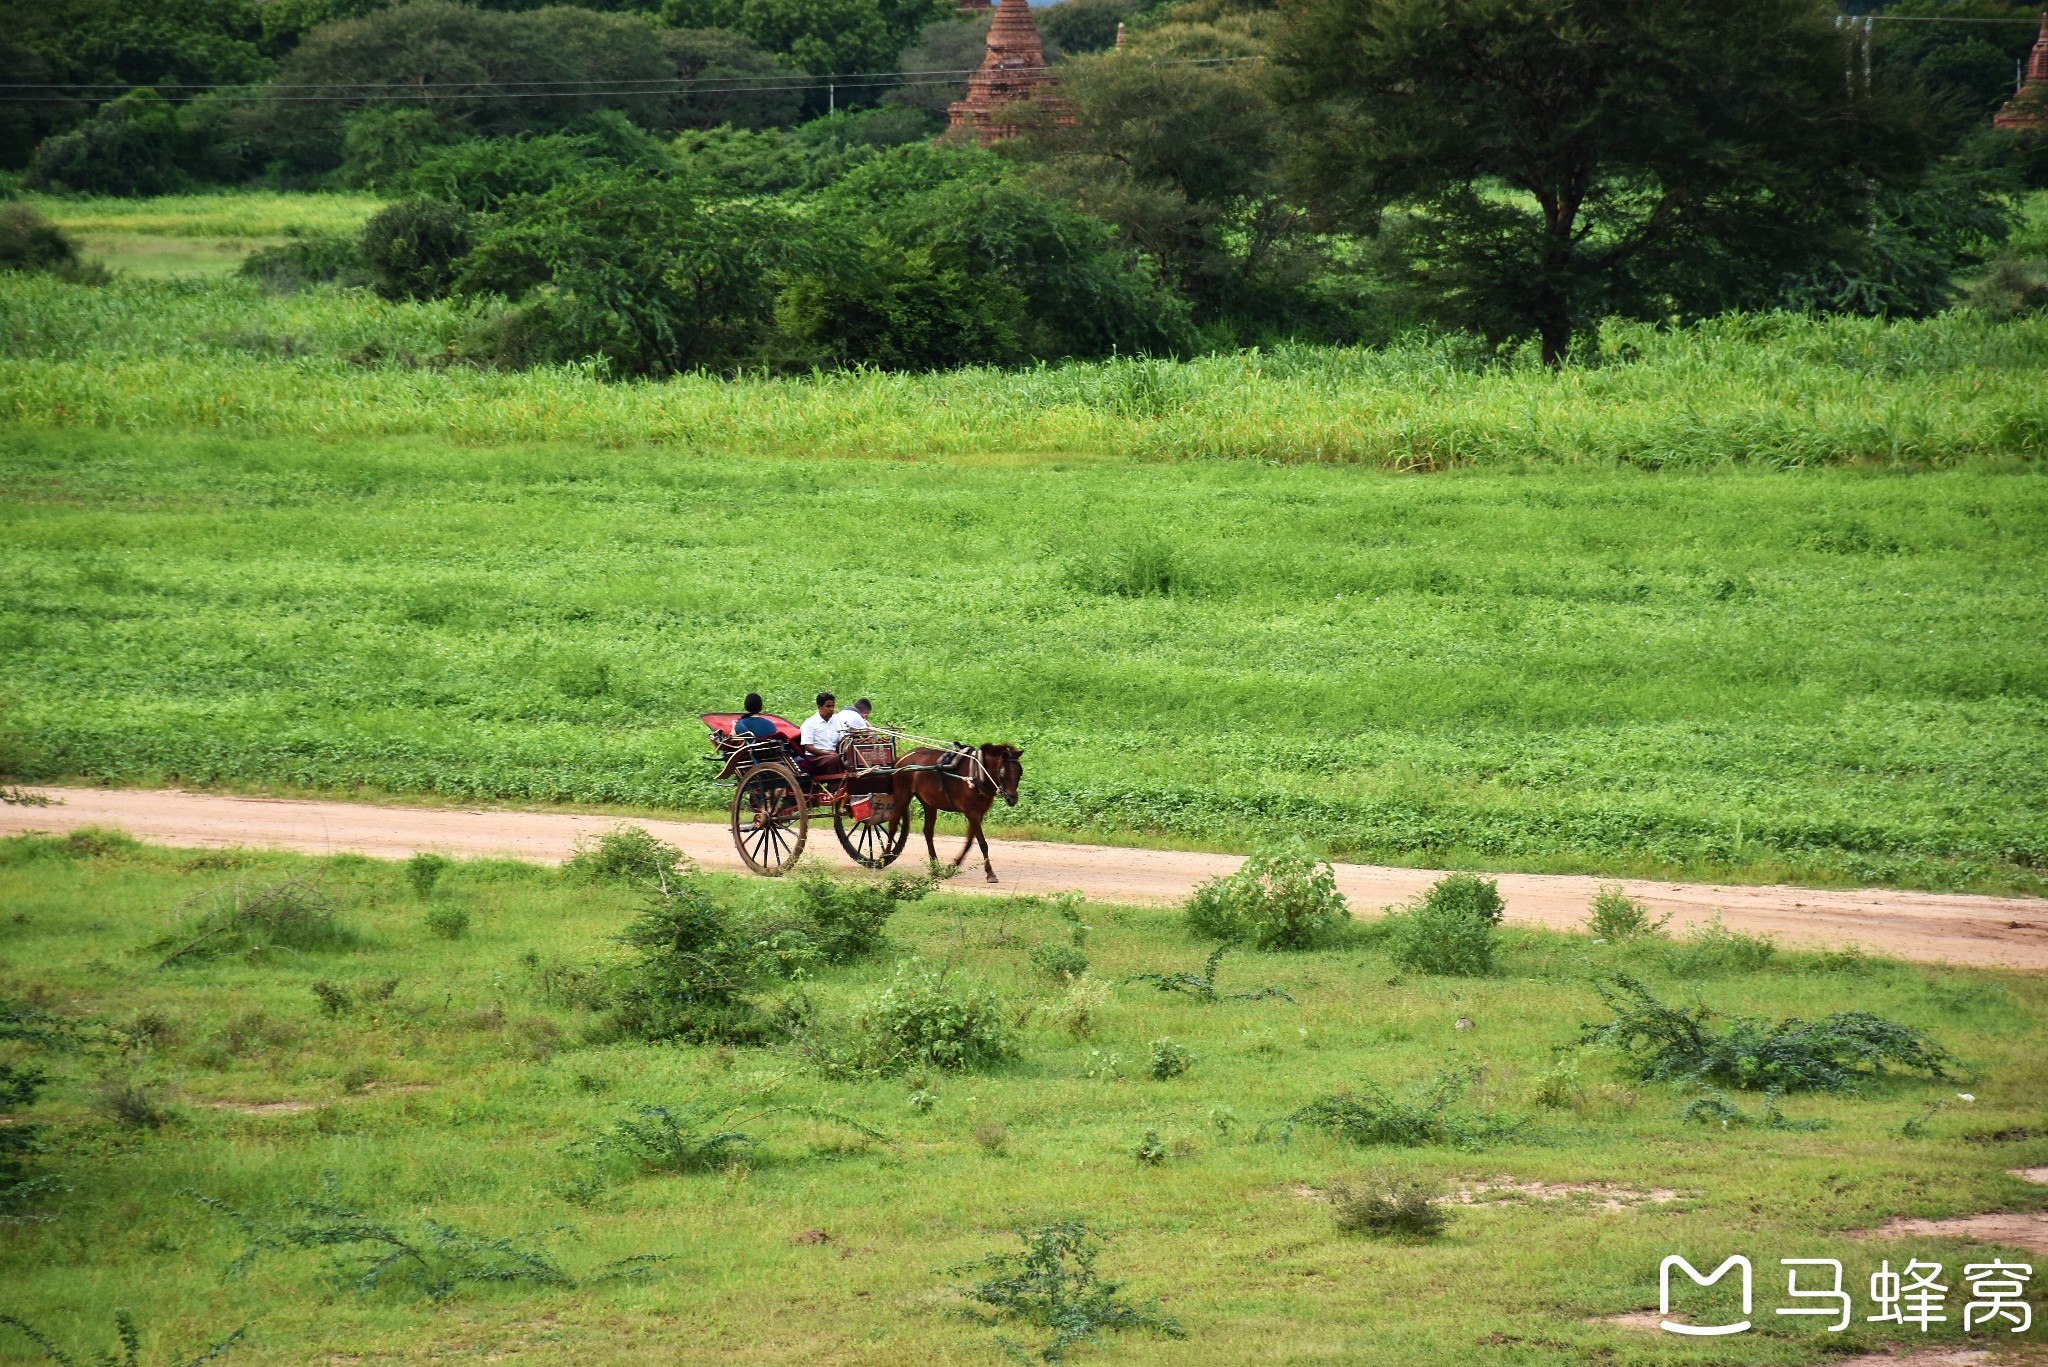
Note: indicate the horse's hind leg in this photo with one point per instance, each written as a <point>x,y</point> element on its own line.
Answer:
<point>931,823</point>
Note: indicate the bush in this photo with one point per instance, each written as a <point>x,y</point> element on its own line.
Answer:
<point>1450,931</point>
<point>413,249</point>
<point>1080,1011</point>
<point>1368,1115</point>
<point>2011,289</point>
<point>447,920</point>
<point>1052,1284</point>
<point>626,854</point>
<point>423,871</point>
<point>131,1103</point>
<point>1281,898</point>
<point>1170,1060</point>
<point>1061,963</point>
<point>1616,916</point>
<point>1713,949</point>
<point>293,914</point>
<point>290,267</point>
<point>691,970</point>
<point>383,145</point>
<point>684,1139</point>
<point>846,917</point>
<point>30,242</point>
<point>921,1020</point>
<point>1405,1208</point>
<point>1834,1054</point>
<point>131,146</point>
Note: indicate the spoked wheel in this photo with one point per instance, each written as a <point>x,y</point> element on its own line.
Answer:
<point>770,819</point>
<point>868,843</point>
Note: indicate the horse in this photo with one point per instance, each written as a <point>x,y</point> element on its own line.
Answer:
<point>962,780</point>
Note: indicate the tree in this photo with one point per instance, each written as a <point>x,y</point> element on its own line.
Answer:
<point>132,146</point>
<point>820,36</point>
<point>1543,162</point>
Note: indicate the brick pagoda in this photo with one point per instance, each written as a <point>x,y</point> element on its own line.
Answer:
<point>1013,72</point>
<point>2029,108</point>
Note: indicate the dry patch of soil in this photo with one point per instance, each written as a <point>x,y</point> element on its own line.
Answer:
<point>2014,1231</point>
<point>1596,1195</point>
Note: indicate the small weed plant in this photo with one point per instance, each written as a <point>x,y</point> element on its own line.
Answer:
<point>1715,1108</point>
<point>292,915</point>
<point>128,1349</point>
<point>1202,986</point>
<point>1281,898</point>
<point>1169,1060</point>
<point>1152,1150</point>
<point>447,921</point>
<point>1617,917</point>
<point>423,871</point>
<point>430,1259</point>
<point>1079,1013</point>
<point>1712,950</point>
<point>1837,1053</point>
<point>1400,1208</point>
<point>1052,1285</point>
<point>1061,963</point>
<point>1450,932</point>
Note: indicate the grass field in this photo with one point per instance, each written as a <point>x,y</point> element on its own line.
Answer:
<point>1820,676</point>
<point>462,1093</point>
<point>173,236</point>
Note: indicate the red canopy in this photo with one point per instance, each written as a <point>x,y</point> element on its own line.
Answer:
<point>721,722</point>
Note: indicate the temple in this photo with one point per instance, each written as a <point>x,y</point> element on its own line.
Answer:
<point>2029,108</point>
<point>1014,71</point>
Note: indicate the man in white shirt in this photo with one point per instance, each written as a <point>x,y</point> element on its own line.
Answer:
<point>819,735</point>
<point>857,719</point>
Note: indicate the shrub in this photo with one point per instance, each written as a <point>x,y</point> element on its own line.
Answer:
<point>626,854</point>
<point>131,1103</point>
<point>1170,1060</point>
<point>290,267</point>
<point>448,921</point>
<point>690,971</point>
<point>131,146</point>
<point>293,914</point>
<point>993,1137</point>
<point>1280,898</point>
<point>1052,1284</point>
<point>1152,1149</point>
<point>1713,949</point>
<point>1080,1011</point>
<point>921,1020</point>
<point>1061,963</point>
<point>1404,1208</point>
<point>1616,916</point>
<point>1202,986</point>
<point>681,1140</point>
<point>423,871</point>
<point>847,917</point>
<point>414,248</point>
<point>1368,1115</point>
<point>382,144</point>
<point>1716,1109</point>
<point>30,242</point>
<point>1834,1054</point>
<point>1449,932</point>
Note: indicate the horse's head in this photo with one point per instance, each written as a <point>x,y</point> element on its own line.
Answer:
<point>1005,765</point>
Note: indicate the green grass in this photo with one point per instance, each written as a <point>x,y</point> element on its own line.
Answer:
<point>464,1096</point>
<point>205,235</point>
<point>150,356</point>
<point>1827,676</point>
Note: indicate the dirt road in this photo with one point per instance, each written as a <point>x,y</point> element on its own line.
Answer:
<point>2004,932</point>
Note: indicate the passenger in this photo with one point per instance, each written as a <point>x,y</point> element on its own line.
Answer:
<point>752,725</point>
<point>819,736</point>
<point>857,719</point>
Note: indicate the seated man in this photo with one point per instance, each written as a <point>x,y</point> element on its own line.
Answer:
<point>857,719</point>
<point>752,725</point>
<point>818,739</point>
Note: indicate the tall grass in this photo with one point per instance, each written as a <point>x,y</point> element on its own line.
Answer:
<point>227,213</point>
<point>1775,390</point>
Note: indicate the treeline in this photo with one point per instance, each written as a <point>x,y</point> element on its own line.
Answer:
<point>705,183</point>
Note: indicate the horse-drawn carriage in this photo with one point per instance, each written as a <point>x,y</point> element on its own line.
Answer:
<point>867,793</point>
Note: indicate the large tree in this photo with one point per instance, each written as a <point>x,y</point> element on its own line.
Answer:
<point>1543,162</point>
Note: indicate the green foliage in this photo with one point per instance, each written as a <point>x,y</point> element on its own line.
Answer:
<point>1712,950</point>
<point>1085,25</point>
<point>301,263</point>
<point>1450,931</point>
<point>1618,917</point>
<point>423,872</point>
<point>1838,1053</point>
<point>30,242</point>
<point>431,1259</point>
<point>1146,568</point>
<point>414,248</point>
<point>1369,1115</point>
<point>820,36</point>
<point>626,855</point>
<point>1052,1285</point>
<point>483,174</point>
<point>1152,1150</point>
<point>1169,1060</point>
<point>1714,1108</point>
<point>1397,1208</point>
<point>31,1033</point>
<point>293,914</point>
<point>682,1139</point>
<point>1061,963</point>
<point>127,1335</point>
<point>382,145</point>
<point>726,81</point>
<point>1283,897</point>
<point>2011,289</point>
<point>131,146</point>
<point>922,1020</point>
<point>131,1103</point>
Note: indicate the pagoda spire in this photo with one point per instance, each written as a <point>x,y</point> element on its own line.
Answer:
<point>1012,71</point>
<point>2028,108</point>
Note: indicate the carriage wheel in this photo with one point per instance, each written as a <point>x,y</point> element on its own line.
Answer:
<point>770,819</point>
<point>868,843</point>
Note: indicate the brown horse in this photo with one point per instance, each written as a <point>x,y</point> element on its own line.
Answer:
<point>964,781</point>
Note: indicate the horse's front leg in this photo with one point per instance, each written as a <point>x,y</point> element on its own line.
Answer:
<point>986,863</point>
<point>931,824</point>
